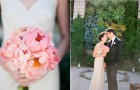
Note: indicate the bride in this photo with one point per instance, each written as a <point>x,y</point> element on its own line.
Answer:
<point>99,53</point>
<point>16,14</point>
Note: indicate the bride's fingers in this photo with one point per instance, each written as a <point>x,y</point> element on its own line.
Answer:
<point>19,75</point>
<point>26,82</point>
<point>22,79</point>
<point>32,81</point>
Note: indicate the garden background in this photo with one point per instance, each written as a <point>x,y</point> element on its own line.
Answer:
<point>122,15</point>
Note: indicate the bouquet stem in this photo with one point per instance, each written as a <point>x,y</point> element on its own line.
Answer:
<point>22,88</point>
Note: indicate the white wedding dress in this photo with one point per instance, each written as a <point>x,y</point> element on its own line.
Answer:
<point>97,82</point>
<point>14,16</point>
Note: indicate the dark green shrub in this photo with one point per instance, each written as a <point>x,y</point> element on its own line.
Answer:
<point>131,33</point>
<point>77,40</point>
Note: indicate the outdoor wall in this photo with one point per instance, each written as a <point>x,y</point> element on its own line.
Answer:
<point>79,8</point>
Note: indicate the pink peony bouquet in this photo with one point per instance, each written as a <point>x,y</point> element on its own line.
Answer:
<point>105,48</point>
<point>30,51</point>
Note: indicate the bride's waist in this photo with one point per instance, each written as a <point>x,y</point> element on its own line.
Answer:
<point>99,57</point>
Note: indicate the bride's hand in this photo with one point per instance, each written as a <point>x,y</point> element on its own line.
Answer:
<point>104,53</point>
<point>19,77</point>
<point>104,64</point>
<point>22,79</point>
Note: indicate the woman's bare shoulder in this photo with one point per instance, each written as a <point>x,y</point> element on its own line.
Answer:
<point>97,45</point>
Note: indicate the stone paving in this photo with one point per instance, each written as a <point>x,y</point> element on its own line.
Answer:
<point>80,83</point>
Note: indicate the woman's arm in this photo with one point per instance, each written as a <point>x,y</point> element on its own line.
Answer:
<point>63,22</point>
<point>104,53</point>
<point>95,52</point>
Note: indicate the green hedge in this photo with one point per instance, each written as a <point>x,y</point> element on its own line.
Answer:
<point>131,33</point>
<point>77,40</point>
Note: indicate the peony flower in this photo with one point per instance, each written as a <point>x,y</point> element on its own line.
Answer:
<point>33,73</point>
<point>13,64</point>
<point>9,51</point>
<point>40,58</point>
<point>36,72</point>
<point>105,48</point>
<point>24,53</point>
<point>37,41</point>
<point>53,57</point>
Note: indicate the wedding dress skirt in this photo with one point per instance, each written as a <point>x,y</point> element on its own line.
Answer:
<point>97,82</point>
<point>14,16</point>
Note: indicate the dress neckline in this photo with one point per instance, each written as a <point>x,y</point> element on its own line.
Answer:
<point>31,7</point>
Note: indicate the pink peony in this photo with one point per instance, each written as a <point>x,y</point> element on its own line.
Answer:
<point>13,64</point>
<point>37,41</point>
<point>105,48</point>
<point>23,53</point>
<point>36,69</point>
<point>53,57</point>
<point>9,50</point>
